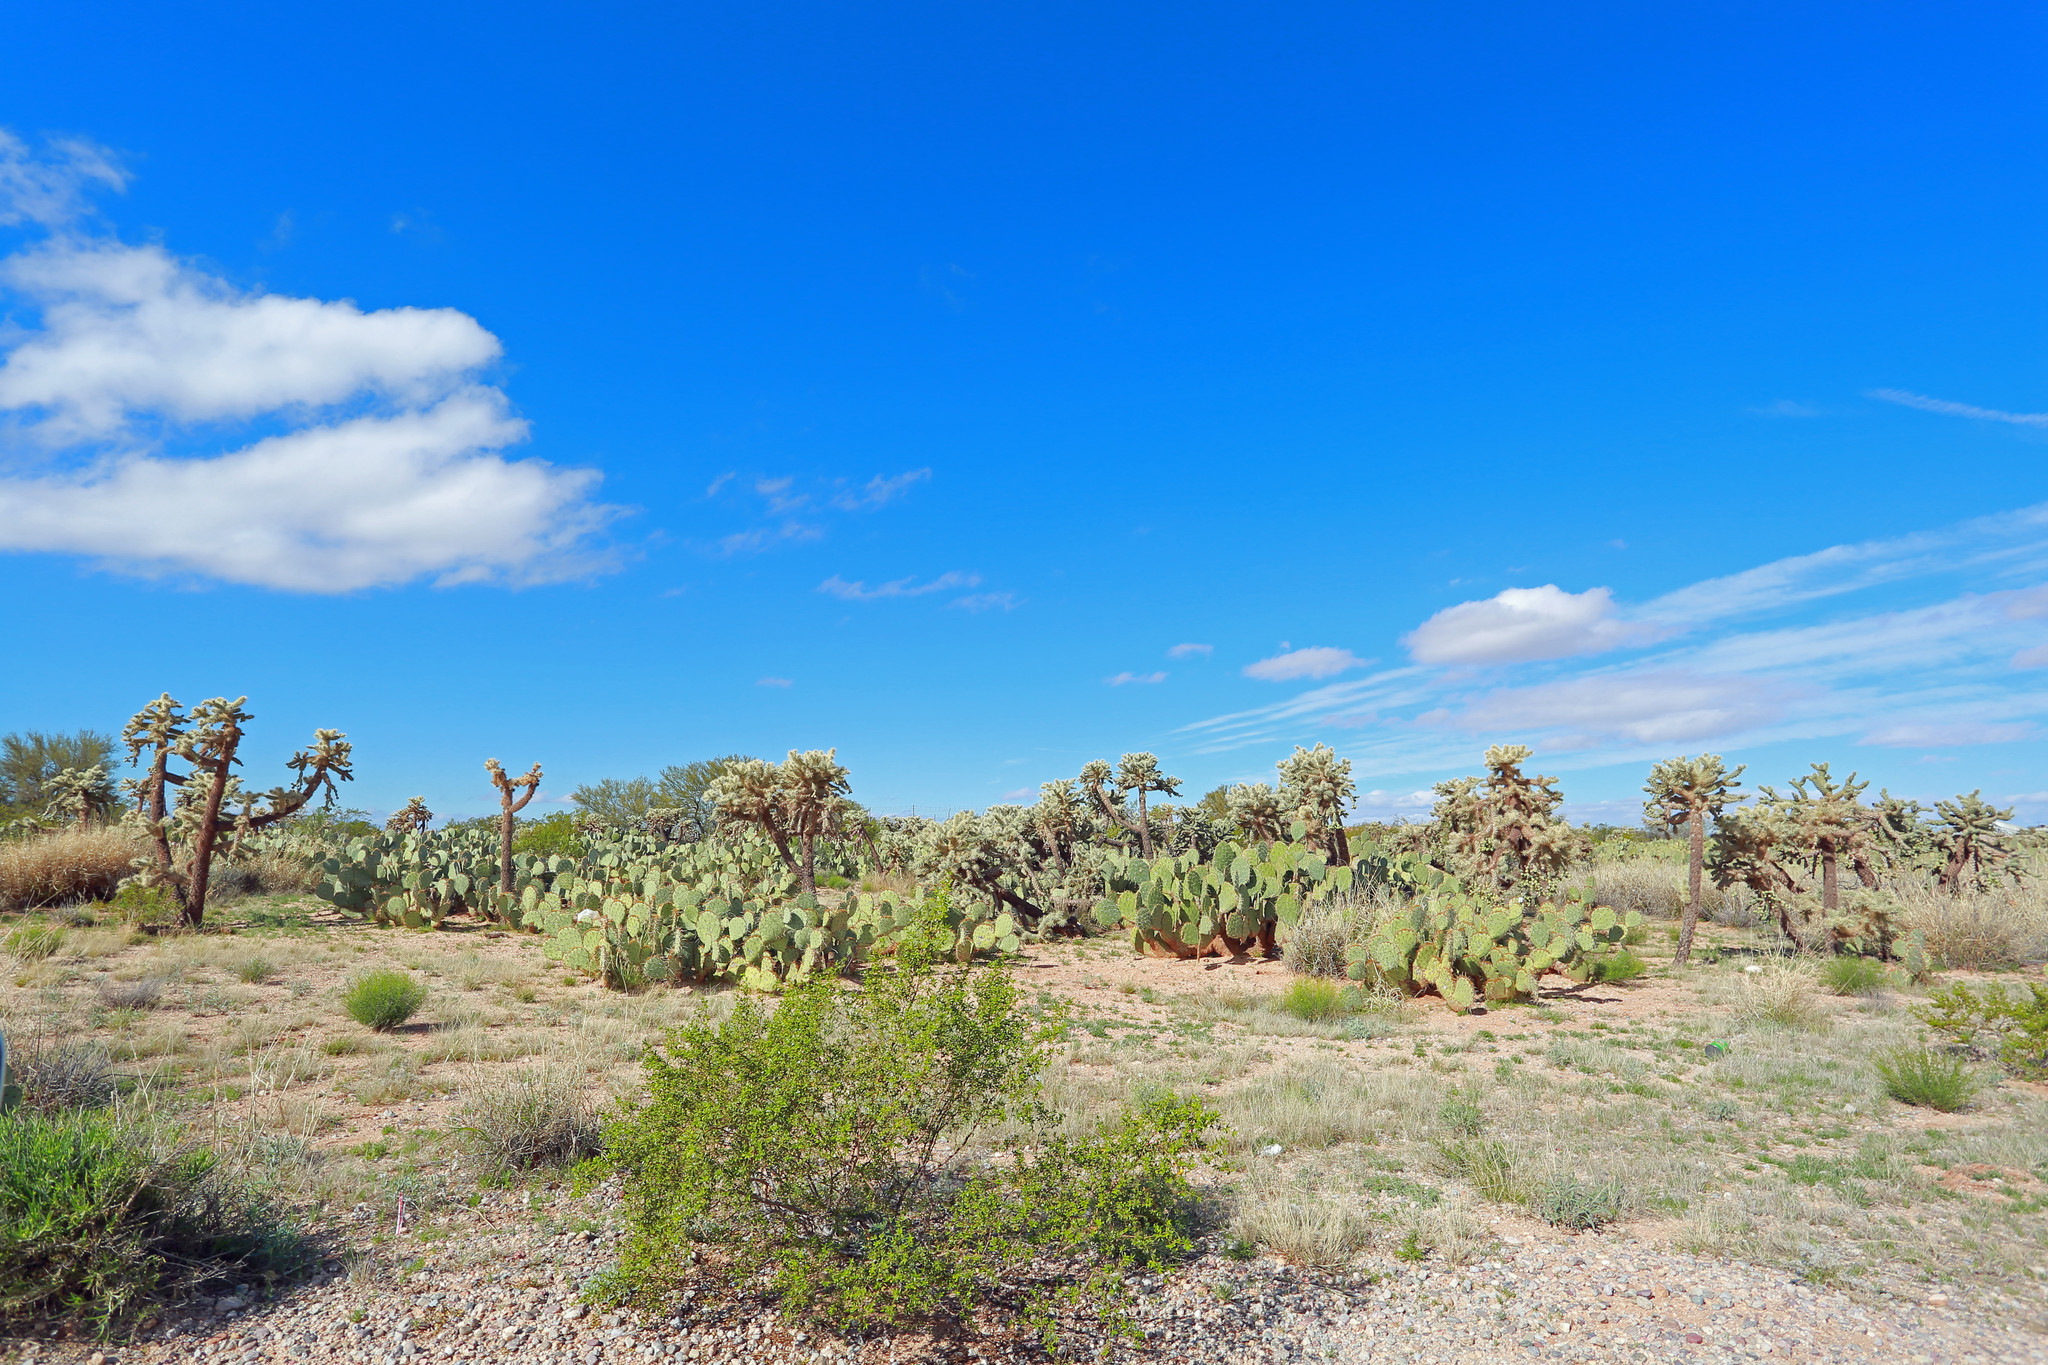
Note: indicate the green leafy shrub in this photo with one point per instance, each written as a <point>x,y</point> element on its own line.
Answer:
<point>35,942</point>
<point>383,999</point>
<point>1314,999</point>
<point>1566,1200</point>
<point>2016,1024</point>
<point>1847,975</point>
<point>1930,1079</point>
<point>551,836</point>
<point>94,1222</point>
<point>835,1147</point>
<point>1621,966</point>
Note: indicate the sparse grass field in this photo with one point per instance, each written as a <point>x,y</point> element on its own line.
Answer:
<point>1356,1121</point>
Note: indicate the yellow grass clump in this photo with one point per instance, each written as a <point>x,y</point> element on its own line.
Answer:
<point>64,866</point>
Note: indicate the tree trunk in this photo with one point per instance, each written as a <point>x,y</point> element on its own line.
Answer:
<point>1340,843</point>
<point>1830,890</point>
<point>505,844</point>
<point>1696,865</point>
<point>1144,828</point>
<point>209,830</point>
<point>807,875</point>
<point>155,804</point>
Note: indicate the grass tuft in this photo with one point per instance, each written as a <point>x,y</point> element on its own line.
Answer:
<point>1313,999</point>
<point>383,999</point>
<point>530,1119</point>
<point>35,942</point>
<point>1922,1076</point>
<point>1853,976</point>
<point>63,866</point>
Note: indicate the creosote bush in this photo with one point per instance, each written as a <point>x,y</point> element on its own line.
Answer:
<point>383,999</point>
<point>841,1146</point>
<point>94,1221</point>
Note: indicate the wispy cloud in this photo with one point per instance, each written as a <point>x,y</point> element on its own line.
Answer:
<point>773,682</point>
<point>1314,661</point>
<point>879,491</point>
<point>1948,409</point>
<point>768,537</point>
<point>857,591</point>
<point>1190,651</point>
<point>986,601</point>
<point>1127,679</point>
<point>794,509</point>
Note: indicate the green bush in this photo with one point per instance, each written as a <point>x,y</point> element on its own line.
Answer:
<point>837,1145</point>
<point>255,971</point>
<point>384,998</point>
<point>1621,966</point>
<point>1847,975</point>
<point>2016,1023</point>
<point>1930,1079</point>
<point>549,836</point>
<point>93,1222</point>
<point>1314,998</point>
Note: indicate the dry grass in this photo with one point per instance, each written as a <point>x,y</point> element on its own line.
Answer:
<point>1296,1225</point>
<point>1980,929</point>
<point>66,866</point>
<point>1780,994</point>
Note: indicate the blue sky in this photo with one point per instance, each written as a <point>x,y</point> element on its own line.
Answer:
<point>985,390</point>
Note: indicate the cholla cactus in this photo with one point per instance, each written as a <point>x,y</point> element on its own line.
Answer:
<point>1835,826</point>
<point>410,818</point>
<point>209,739</point>
<point>78,794</point>
<point>507,809</point>
<point>1258,812</point>
<point>799,799</point>
<point>1504,828</point>
<point>1137,773</point>
<point>1061,816</point>
<point>1970,842</point>
<point>1316,785</point>
<point>1683,793</point>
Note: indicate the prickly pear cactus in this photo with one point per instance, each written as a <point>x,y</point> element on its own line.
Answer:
<point>1467,949</point>
<point>1179,906</point>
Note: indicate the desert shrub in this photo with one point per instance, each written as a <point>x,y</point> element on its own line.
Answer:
<point>1568,1200</point>
<point>551,835</point>
<point>1621,966</point>
<point>272,872</point>
<point>383,999</point>
<point>1315,945</point>
<point>58,1075</point>
<point>1780,995</point>
<point>1314,999</point>
<point>94,1221</point>
<point>1488,1164</point>
<point>34,942</point>
<point>835,1147</point>
<point>1976,930</point>
<point>1295,1225</point>
<point>131,995</point>
<point>138,904</point>
<point>63,866</point>
<point>255,971</point>
<point>1926,1077</point>
<point>2015,1024</point>
<point>1847,975</point>
<point>530,1119</point>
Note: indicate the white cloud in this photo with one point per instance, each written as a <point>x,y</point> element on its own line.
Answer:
<point>2036,657</point>
<point>1940,734</point>
<point>379,458</point>
<point>985,601</point>
<point>773,682</point>
<point>372,502</point>
<point>1126,679</point>
<point>1523,624</point>
<point>1949,409</point>
<point>1314,661</point>
<point>879,491</point>
<point>1666,706</point>
<point>54,189</point>
<point>1190,651</point>
<point>130,332</point>
<point>836,586</point>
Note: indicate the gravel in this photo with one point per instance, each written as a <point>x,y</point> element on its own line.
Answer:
<point>499,1290</point>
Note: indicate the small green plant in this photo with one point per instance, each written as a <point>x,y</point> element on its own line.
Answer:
<point>35,942</point>
<point>1568,1201</point>
<point>1411,1249</point>
<point>1488,1164</point>
<point>1621,966</point>
<point>1925,1077</point>
<point>1314,999</point>
<point>255,971</point>
<point>1849,975</point>
<point>2016,1022</point>
<point>383,999</point>
<point>343,1045</point>
<point>1462,1117</point>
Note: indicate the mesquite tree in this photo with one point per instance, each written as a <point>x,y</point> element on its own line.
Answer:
<point>1685,792</point>
<point>208,740</point>
<point>507,808</point>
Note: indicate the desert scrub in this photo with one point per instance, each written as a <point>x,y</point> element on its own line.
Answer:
<point>837,1147</point>
<point>34,942</point>
<point>383,999</point>
<point>64,866</point>
<point>1853,976</point>
<point>1621,966</point>
<point>1314,999</point>
<point>1925,1077</point>
<point>95,1221</point>
<point>2016,1024</point>
<point>530,1119</point>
